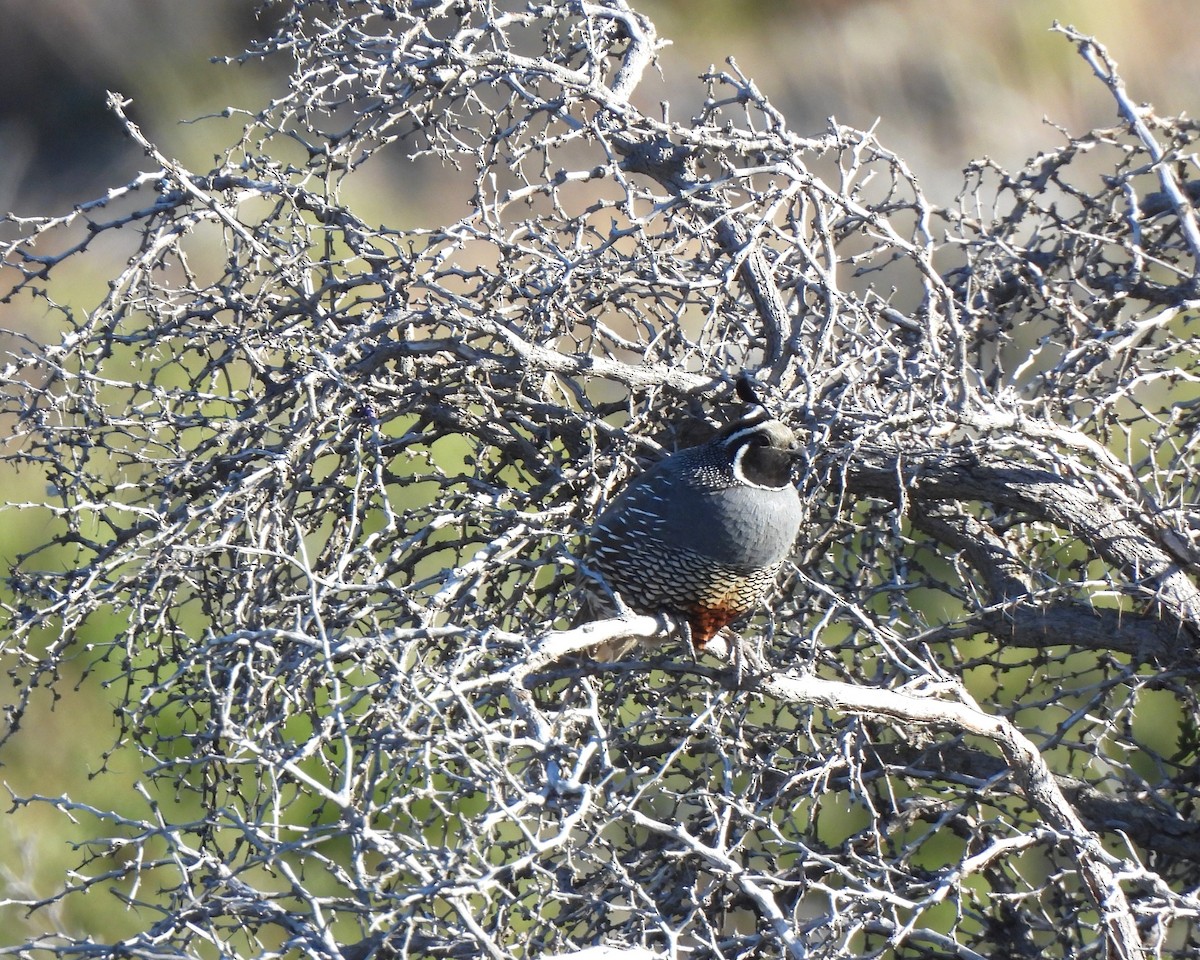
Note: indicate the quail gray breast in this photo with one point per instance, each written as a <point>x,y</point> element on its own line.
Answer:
<point>701,534</point>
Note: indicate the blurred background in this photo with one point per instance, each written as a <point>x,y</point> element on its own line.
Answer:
<point>946,83</point>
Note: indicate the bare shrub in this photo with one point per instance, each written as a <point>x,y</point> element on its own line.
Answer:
<point>324,483</point>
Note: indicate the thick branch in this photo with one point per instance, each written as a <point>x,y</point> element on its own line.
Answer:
<point>1023,758</point>
<point>1002,573</point>
<point>521,356</point>
<point>1146,823</point>
<point>963,475</point>
<point>1040,624</point>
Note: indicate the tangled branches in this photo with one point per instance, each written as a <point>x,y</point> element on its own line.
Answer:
<point>323,484</point>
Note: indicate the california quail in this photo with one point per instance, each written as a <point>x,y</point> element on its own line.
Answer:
<point>701,534</point>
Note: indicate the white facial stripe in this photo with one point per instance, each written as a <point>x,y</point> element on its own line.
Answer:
<point>776,433</point>
<point>734,438</point>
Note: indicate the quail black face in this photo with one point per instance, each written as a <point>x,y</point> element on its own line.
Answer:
<point>762,454</point>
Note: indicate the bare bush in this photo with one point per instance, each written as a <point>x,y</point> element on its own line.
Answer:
<point>329,481</point>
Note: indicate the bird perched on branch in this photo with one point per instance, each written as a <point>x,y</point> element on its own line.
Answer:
<point>700,535</point>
